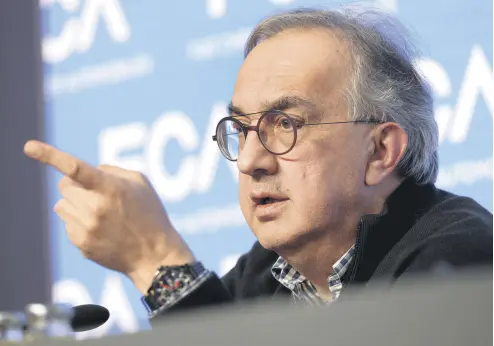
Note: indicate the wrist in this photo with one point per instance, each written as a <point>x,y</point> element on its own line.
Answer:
<point>142,277</point>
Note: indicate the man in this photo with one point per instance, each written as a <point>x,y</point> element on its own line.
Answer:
<point>334,136</point>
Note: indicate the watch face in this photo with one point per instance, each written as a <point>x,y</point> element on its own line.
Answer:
<point>170,283</point>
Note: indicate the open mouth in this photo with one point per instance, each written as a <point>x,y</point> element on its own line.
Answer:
<point>266,200</point>
<point>268,207</point>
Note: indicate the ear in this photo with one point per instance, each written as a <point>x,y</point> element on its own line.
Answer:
<point>390,143</point>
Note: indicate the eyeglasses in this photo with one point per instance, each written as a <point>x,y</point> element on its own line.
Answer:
<point>276,130</point>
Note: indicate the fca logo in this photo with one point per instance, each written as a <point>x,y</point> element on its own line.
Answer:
<point>78,32</point>
<point>454,119</point>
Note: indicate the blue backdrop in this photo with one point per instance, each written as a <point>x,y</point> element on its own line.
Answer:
<point>142,84</point>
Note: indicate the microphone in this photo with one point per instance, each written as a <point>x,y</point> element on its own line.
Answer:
<point>79,318</point>
<point>88,316</point>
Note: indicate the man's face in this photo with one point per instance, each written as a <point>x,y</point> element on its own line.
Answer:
<point>315,188</point>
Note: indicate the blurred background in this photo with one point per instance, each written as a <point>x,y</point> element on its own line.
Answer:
<point>142,85</point>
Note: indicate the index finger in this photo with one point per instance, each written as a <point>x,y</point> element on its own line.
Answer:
<point>70,166</point>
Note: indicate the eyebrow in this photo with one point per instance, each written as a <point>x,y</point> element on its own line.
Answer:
<point>281,104</point>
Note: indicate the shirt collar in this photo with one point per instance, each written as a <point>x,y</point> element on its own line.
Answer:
<point>292,279</point>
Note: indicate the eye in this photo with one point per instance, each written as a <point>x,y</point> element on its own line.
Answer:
<point>236,127</point>
<point>285,123</point>
<point>282,123</point>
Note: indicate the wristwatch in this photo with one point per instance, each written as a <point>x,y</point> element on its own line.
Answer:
<point>170,283</point>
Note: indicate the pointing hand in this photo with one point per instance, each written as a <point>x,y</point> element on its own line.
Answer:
<point>114,216</point>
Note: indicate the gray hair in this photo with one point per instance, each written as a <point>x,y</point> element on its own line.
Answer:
<point>385,85</point>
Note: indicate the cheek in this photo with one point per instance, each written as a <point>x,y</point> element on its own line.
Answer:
<point>322,182</point>
<point>304,181</point>
<point>243,192</point>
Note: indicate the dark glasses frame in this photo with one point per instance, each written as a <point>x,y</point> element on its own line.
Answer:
<point>296,126</point>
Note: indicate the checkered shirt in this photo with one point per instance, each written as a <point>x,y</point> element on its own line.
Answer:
<point>302,289</point>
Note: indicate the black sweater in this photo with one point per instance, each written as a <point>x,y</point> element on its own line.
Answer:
<point>423,228</point>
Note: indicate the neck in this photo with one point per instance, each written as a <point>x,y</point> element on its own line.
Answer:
<point>316,257</point>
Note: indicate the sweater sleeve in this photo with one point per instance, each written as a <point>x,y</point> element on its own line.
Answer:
<point>215,291</point>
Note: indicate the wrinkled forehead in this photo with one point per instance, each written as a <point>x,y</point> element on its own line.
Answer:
<point>310,63</point>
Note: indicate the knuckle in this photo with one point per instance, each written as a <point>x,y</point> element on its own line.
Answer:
<point>85,248</point>
<point>139,177</point>
<point>63,183</point>
<point>113,170</point>
<point>113,188</point>
<point>87,254</point>
<point>92,224</point>
<point>108,168</point>
<point>77,238</point>
<point>73,168</point>
<point>58,206</point>
<point>101,208</point>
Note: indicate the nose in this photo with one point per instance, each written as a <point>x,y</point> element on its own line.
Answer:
<point>254,159</point>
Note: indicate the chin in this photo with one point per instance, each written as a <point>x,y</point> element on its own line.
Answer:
<point>271,238</point>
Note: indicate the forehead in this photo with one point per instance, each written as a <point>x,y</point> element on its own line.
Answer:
<point>312,63</point>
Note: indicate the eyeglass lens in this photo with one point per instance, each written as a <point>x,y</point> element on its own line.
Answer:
<point>276,132</point>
